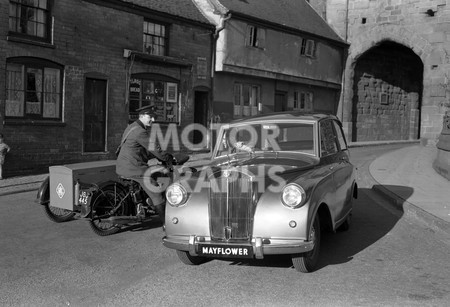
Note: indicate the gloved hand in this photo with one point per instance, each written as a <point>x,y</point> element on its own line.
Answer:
<point>167,157</point>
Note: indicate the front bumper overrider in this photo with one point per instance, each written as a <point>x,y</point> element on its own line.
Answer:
<point>261,246</point>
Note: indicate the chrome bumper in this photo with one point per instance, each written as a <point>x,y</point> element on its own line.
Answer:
<point>260,246</point>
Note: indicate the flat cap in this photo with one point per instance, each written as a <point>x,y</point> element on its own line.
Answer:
<point>150,110</point>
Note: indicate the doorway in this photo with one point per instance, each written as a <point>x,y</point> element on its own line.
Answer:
<point>94,127</point>
<point>280,101</point>
<point>200,115</point>
<point>387,87</point>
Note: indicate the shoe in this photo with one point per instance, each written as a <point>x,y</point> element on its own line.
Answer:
<point>140,211</point>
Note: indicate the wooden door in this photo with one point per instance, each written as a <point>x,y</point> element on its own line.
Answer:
<point>94,136</point>
<point>200,115</point>
<point>280,102</point>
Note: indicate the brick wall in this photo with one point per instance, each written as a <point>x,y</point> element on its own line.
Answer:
<point>90,39</point>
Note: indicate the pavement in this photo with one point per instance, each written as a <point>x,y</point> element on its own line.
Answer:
<point>405,178</point>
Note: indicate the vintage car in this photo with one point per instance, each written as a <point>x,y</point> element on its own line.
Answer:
<point>273,184</point>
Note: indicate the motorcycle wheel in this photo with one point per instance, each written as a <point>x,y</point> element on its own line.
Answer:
<point>110,195</point>
<point>58,215</point>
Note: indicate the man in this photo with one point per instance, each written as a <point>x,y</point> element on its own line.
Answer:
<point>136,150</point>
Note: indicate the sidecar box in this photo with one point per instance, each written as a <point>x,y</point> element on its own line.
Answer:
<point>63,179</point>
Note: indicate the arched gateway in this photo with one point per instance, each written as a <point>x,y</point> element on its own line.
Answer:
<point>387,94</point>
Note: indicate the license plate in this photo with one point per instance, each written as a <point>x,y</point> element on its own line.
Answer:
<point>85,198</point>
<point>225,251</point>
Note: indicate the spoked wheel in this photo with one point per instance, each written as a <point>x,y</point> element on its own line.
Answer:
<point>58,215</point>
<point>186,258</point>
<point>307,262</point>
<point>107,199</point>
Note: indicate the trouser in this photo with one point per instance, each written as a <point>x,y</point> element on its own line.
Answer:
<point>155,188</point>
<point>151,187</point>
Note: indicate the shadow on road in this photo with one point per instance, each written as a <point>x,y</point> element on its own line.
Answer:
<point>147,225</point>
<point>371,222</point>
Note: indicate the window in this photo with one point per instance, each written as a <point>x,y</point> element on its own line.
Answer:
<point>157,91</point>
<point>246,99</point>
<point>328,143</point>
<point>303,101</point>
<point>340,135</point>
<point>287,136</point>
<point>308,48</point>
<point>154,38</point>
<point>33,89</point>
<point>256,37</point>
<point>30,18</point>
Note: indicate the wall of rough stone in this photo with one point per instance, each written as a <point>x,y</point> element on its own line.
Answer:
<point>366,23</point>
<point>387,89</point>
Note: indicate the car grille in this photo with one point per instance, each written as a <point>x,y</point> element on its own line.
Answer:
<point>232,201</point>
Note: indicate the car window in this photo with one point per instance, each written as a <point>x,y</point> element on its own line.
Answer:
<point>289,136</point>
<point>328,140</point>
<point>340,135</point>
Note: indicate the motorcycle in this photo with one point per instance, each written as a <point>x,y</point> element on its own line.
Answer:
<point>107,201</point>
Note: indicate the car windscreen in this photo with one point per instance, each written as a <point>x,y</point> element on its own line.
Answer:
<point>279,137</point>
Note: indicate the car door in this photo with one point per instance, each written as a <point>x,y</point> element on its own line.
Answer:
<point>337,161</point>
<point>343,175</point>
<point>328,155</point>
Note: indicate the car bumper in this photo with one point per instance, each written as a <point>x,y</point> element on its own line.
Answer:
<point>260,246</point>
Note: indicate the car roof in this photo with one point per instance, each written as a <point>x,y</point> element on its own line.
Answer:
<point>289,115</point>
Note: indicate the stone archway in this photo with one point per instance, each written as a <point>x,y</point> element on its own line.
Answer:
<point>387,91</point>
<point>365,41</point>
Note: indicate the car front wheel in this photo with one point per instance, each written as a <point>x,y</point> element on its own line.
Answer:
<point>186,258</point>
<point>307,262</point>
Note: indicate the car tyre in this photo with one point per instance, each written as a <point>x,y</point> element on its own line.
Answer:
<point>188,259</point>
<point>307,262</point>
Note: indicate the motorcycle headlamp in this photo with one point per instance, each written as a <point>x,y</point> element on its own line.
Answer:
<point>176,195</point>
<point>293,196</point>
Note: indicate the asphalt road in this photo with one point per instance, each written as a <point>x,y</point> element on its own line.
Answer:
<point>384,259</point>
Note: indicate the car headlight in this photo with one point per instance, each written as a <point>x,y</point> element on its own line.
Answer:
<point>176,195</point>
<point>293,196</point>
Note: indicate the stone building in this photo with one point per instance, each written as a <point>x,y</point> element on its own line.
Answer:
<point>271,56</point>
<point>395,85</point>
<point>76,70</point>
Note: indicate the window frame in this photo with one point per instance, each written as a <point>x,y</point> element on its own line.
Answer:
<point>29,64</point>
<point>308,48</point>
<point>167,103</point>
<point>242,109</point>
<point>165,38</point>
<point>255,37</point>
<point>330,138</point>
<point>303,98</point>
<point>15,20</point>
<point>340,136</point>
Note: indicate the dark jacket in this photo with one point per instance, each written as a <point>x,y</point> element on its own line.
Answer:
<point>137,150</point>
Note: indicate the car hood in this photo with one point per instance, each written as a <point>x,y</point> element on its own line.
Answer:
<point>273,168</point>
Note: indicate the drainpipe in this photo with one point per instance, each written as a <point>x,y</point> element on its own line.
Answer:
<point>220,27</point>
<point>223,19</point>
<point>345,64</point>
